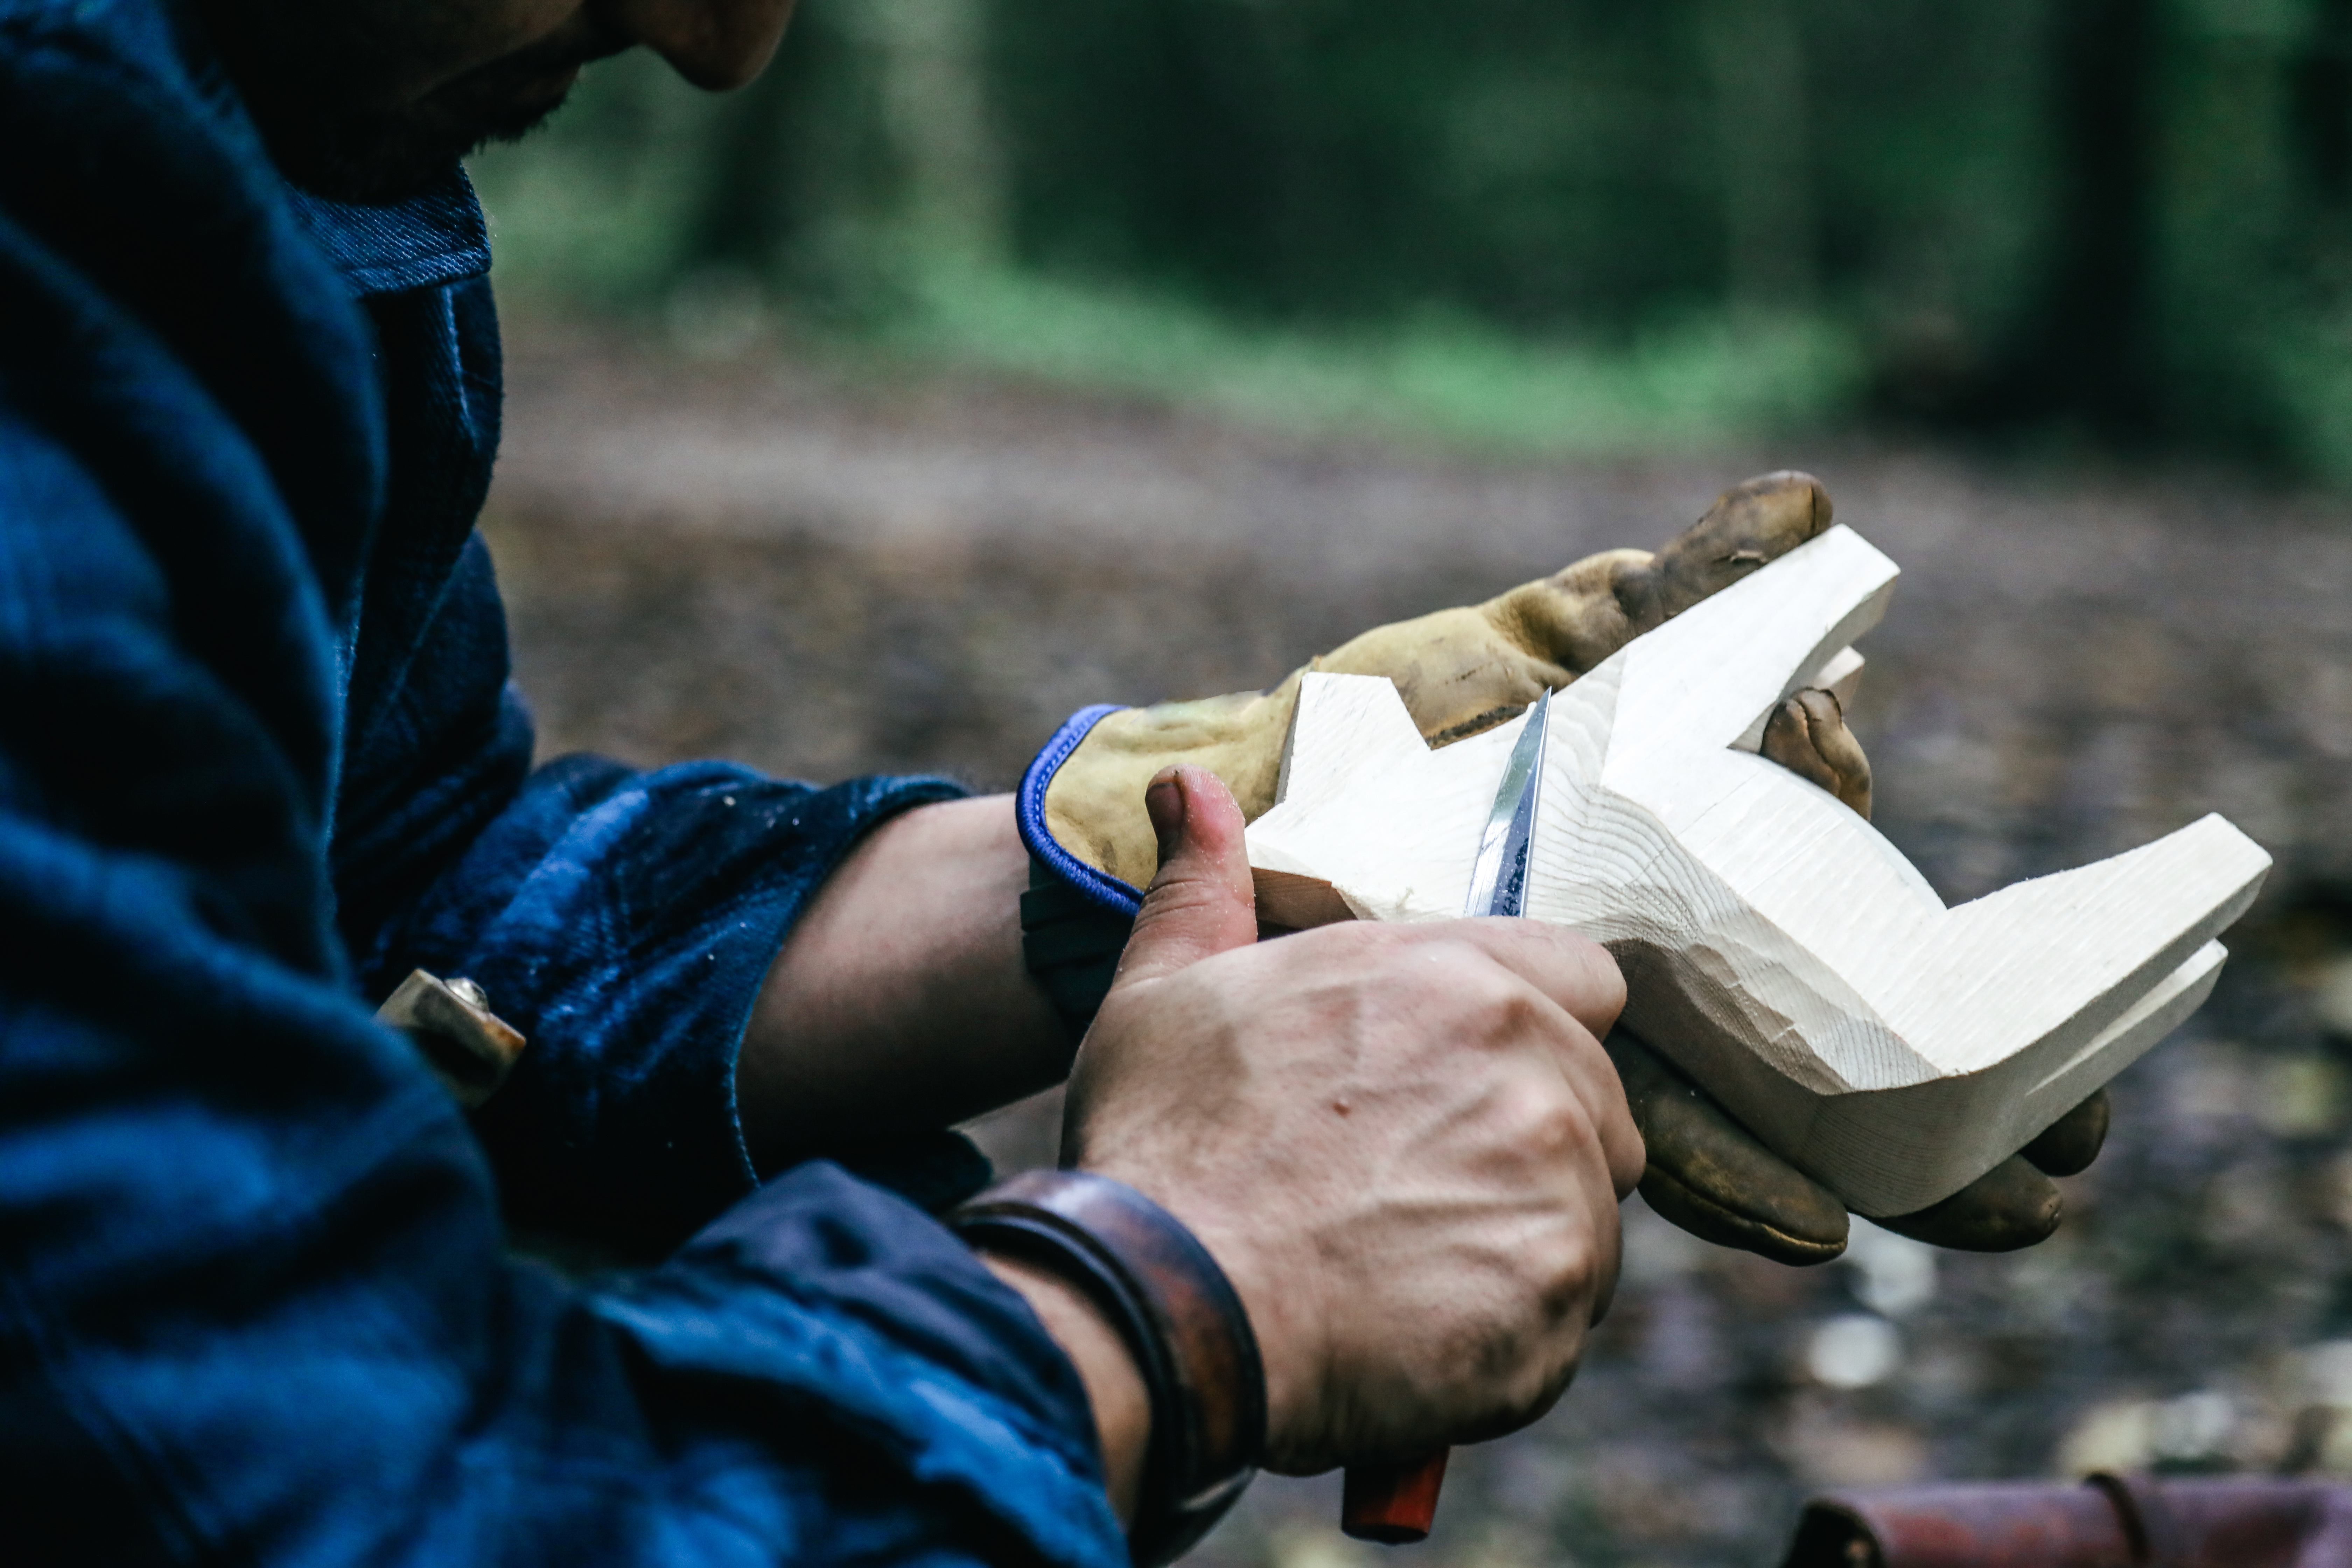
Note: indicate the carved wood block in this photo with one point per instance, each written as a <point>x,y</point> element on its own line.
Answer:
<point>1776,946</point>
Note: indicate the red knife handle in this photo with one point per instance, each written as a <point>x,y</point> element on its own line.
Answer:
<point>1392,1504</point>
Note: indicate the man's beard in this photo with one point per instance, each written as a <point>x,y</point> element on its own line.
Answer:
<point>383,156</point>
<point>296,73</point>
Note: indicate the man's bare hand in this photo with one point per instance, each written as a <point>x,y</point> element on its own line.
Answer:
<point>1404,1144</point>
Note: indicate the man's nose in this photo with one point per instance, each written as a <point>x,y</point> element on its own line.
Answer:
<point>714,44</point>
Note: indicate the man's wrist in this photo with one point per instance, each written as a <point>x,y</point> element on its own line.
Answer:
<point>900,1004</point>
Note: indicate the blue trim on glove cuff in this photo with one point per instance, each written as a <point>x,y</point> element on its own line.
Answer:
<point>1098,888</point>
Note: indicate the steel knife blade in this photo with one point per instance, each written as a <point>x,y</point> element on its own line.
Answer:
<point>1499,878</point>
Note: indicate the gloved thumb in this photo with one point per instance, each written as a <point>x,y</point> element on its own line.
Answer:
<point>1200,903</point>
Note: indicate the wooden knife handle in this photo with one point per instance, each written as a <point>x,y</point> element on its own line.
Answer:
<point>1392,1504</point>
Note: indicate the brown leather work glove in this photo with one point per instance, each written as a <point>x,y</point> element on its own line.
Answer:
<point>1461,671</point>
<point>1710,1175</point>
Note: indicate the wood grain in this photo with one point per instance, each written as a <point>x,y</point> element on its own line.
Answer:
<point>1776,946</point>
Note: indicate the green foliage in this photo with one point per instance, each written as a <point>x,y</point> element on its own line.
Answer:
<point>1442,377</point>
<point>2127,218</point>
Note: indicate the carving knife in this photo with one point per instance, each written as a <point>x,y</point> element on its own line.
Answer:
<point>1395,1504</point>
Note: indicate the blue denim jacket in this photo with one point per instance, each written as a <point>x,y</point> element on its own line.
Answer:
<point>258,758</point>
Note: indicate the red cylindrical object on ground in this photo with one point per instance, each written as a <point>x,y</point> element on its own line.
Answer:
<point>1392,1504</point>
<point>2021,1524</point>
<point>2115,1521</point>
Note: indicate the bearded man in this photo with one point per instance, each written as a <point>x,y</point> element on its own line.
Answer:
<point>1351,1194</point>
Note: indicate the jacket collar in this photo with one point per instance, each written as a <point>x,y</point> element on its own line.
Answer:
<point>434,237</point>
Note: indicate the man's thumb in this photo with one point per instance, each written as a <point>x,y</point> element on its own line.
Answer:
<point>1200,903</point>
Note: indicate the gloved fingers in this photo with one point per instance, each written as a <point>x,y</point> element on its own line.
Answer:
<point>2015,1204</point>
<point>2068,1145</point>
<point>2010,1207</point>
<point>1710,1175</point>
<point>1556,629</point>
<point>1807,735</point>
<point>1755,521</point>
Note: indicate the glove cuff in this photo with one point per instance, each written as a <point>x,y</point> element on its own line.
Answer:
<point>1075,919</point>
<point>1096,887</point>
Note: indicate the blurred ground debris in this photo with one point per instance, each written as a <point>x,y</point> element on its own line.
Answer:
<point>822,567</point>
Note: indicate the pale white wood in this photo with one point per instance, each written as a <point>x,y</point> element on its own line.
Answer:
<point>1840,677</point>
<point>1776,946</point>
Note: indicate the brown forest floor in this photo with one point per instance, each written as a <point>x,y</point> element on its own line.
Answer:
<point>824,571</point>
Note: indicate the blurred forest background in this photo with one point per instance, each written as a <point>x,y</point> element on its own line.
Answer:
<point>989,358</point>
<point>1556,224</point>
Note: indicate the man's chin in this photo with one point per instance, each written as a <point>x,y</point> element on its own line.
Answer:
<point>303,67</point>
<point>387,158</point>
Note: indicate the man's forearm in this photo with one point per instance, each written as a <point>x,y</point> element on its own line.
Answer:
<point>900,1000</point>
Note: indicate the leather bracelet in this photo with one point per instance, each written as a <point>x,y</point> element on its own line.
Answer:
<point>1178,1316</point>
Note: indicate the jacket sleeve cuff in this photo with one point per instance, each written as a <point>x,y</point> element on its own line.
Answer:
<point>625,923</point>
<point>832,1292</point>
